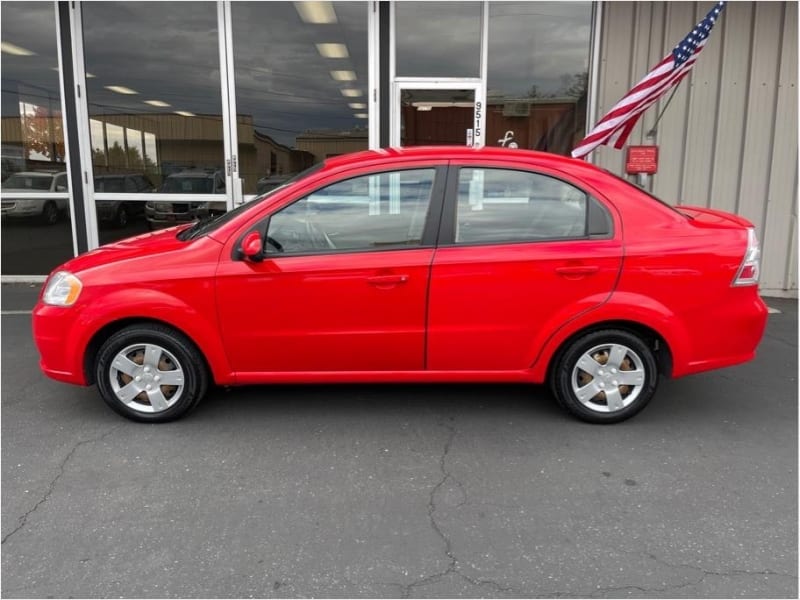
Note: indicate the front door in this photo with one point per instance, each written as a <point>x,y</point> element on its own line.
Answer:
<point>344,283</point>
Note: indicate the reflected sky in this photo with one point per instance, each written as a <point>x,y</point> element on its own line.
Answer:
<point>168,51</point>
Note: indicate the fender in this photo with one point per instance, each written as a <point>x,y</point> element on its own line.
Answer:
<point>621,306</point>
<point>157,305</point>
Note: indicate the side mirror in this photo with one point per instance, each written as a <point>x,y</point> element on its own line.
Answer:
<point>253,247</point>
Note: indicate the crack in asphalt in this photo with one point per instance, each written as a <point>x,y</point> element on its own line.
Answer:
<point>452,567</point>
<point>703,574</point>
<point>21,521</point>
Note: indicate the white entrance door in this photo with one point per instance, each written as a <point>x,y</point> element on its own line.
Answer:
<point>437,112</point>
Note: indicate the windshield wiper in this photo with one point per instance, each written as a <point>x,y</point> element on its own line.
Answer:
<point>196,228</point>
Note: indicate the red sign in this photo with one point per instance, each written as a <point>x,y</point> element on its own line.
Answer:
<point>642,159</point>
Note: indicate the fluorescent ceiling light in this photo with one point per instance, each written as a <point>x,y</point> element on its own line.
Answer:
<point>343,75</point>
<point>351,93</point>
<point>185,113</point>
<point>121,89</point>
<point>357,105</point>
<point>160,103</point>
<point>10,48</point>
<point>333,50</point>
<point>430,105</point>
<point>320,13</point>
<point>361,115</point>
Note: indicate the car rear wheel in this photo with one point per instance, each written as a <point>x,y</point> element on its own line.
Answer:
<point>150,373</point>
<point>605,376</point>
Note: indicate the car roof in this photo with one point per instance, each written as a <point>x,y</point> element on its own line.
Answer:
<point>452,153</point>
<point>195,174</point>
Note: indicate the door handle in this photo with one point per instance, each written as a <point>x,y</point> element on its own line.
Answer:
<point>379,280</point>
<point>577,270</point>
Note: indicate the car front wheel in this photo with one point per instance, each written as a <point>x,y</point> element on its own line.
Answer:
<point>605,376</point>
<point>151,373</point>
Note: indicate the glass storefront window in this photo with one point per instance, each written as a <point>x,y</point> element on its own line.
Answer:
<point>438,39</point>
<point>302,78</point>
<point>155,103</point>
<point>537,74</point>
<point>36,231</point>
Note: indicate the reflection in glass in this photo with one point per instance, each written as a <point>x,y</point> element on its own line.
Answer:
<point>155,106</point>
<point>374,212</point>
<point>301,75</point>
<point>497,205</point>
<point>538,74</point>
<point>36,232</point>
<point>436,117</point>
<point>438,39</point>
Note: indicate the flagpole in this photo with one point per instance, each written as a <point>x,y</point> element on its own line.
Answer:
<point>652,132</point>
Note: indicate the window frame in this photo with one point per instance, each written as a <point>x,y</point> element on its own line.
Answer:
<point>447,233</point>
<point>430,229</point>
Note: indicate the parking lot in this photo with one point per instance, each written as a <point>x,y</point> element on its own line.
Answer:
<point>402,491</point>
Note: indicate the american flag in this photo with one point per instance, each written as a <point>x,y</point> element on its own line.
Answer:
<point>616,126</point>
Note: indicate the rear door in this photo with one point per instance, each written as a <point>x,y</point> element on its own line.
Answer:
<point>520,253</point>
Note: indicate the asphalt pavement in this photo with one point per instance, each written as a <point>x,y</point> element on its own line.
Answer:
<point>402,491</point>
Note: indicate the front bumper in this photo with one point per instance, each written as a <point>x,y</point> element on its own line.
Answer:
<point>59,359</point>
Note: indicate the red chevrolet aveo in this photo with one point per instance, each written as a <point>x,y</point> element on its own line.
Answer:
<point>414,265</point>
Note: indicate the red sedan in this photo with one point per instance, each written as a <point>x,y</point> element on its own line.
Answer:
<point>414,265</point>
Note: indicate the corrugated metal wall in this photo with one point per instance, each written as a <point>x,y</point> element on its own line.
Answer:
<point>728,138</point>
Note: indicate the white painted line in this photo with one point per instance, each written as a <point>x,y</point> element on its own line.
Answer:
<point>23,278</point>
<point>15,312</point>
<point>773,311</point>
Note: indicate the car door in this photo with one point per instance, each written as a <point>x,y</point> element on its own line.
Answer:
<point>343,283</point>
<point>521,252</point>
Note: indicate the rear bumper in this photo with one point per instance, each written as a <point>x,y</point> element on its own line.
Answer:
<point>726,335</point>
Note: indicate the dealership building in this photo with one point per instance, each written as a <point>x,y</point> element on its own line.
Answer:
<point>109,106</point>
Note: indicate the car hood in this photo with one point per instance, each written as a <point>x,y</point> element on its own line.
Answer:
<point>150,244</point>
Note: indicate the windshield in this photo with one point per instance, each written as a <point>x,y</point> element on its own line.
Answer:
<point>206,226</point>
<point>19,181</point>
<point>188,185</point>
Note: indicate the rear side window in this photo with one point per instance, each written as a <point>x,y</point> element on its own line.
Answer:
<point>501,205</point>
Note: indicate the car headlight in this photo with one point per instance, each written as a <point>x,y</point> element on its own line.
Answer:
<point>62,289</point>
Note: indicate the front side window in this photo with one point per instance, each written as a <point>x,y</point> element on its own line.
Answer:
<point>499,205</point>
<point>372,212</point>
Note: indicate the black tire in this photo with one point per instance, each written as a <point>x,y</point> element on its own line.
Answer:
<point>50,214</point>
<point>638,365</point>
<point>121,218</point>
<point>176,350</point>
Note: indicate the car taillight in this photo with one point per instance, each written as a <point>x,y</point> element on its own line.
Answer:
<point>748,272</point>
